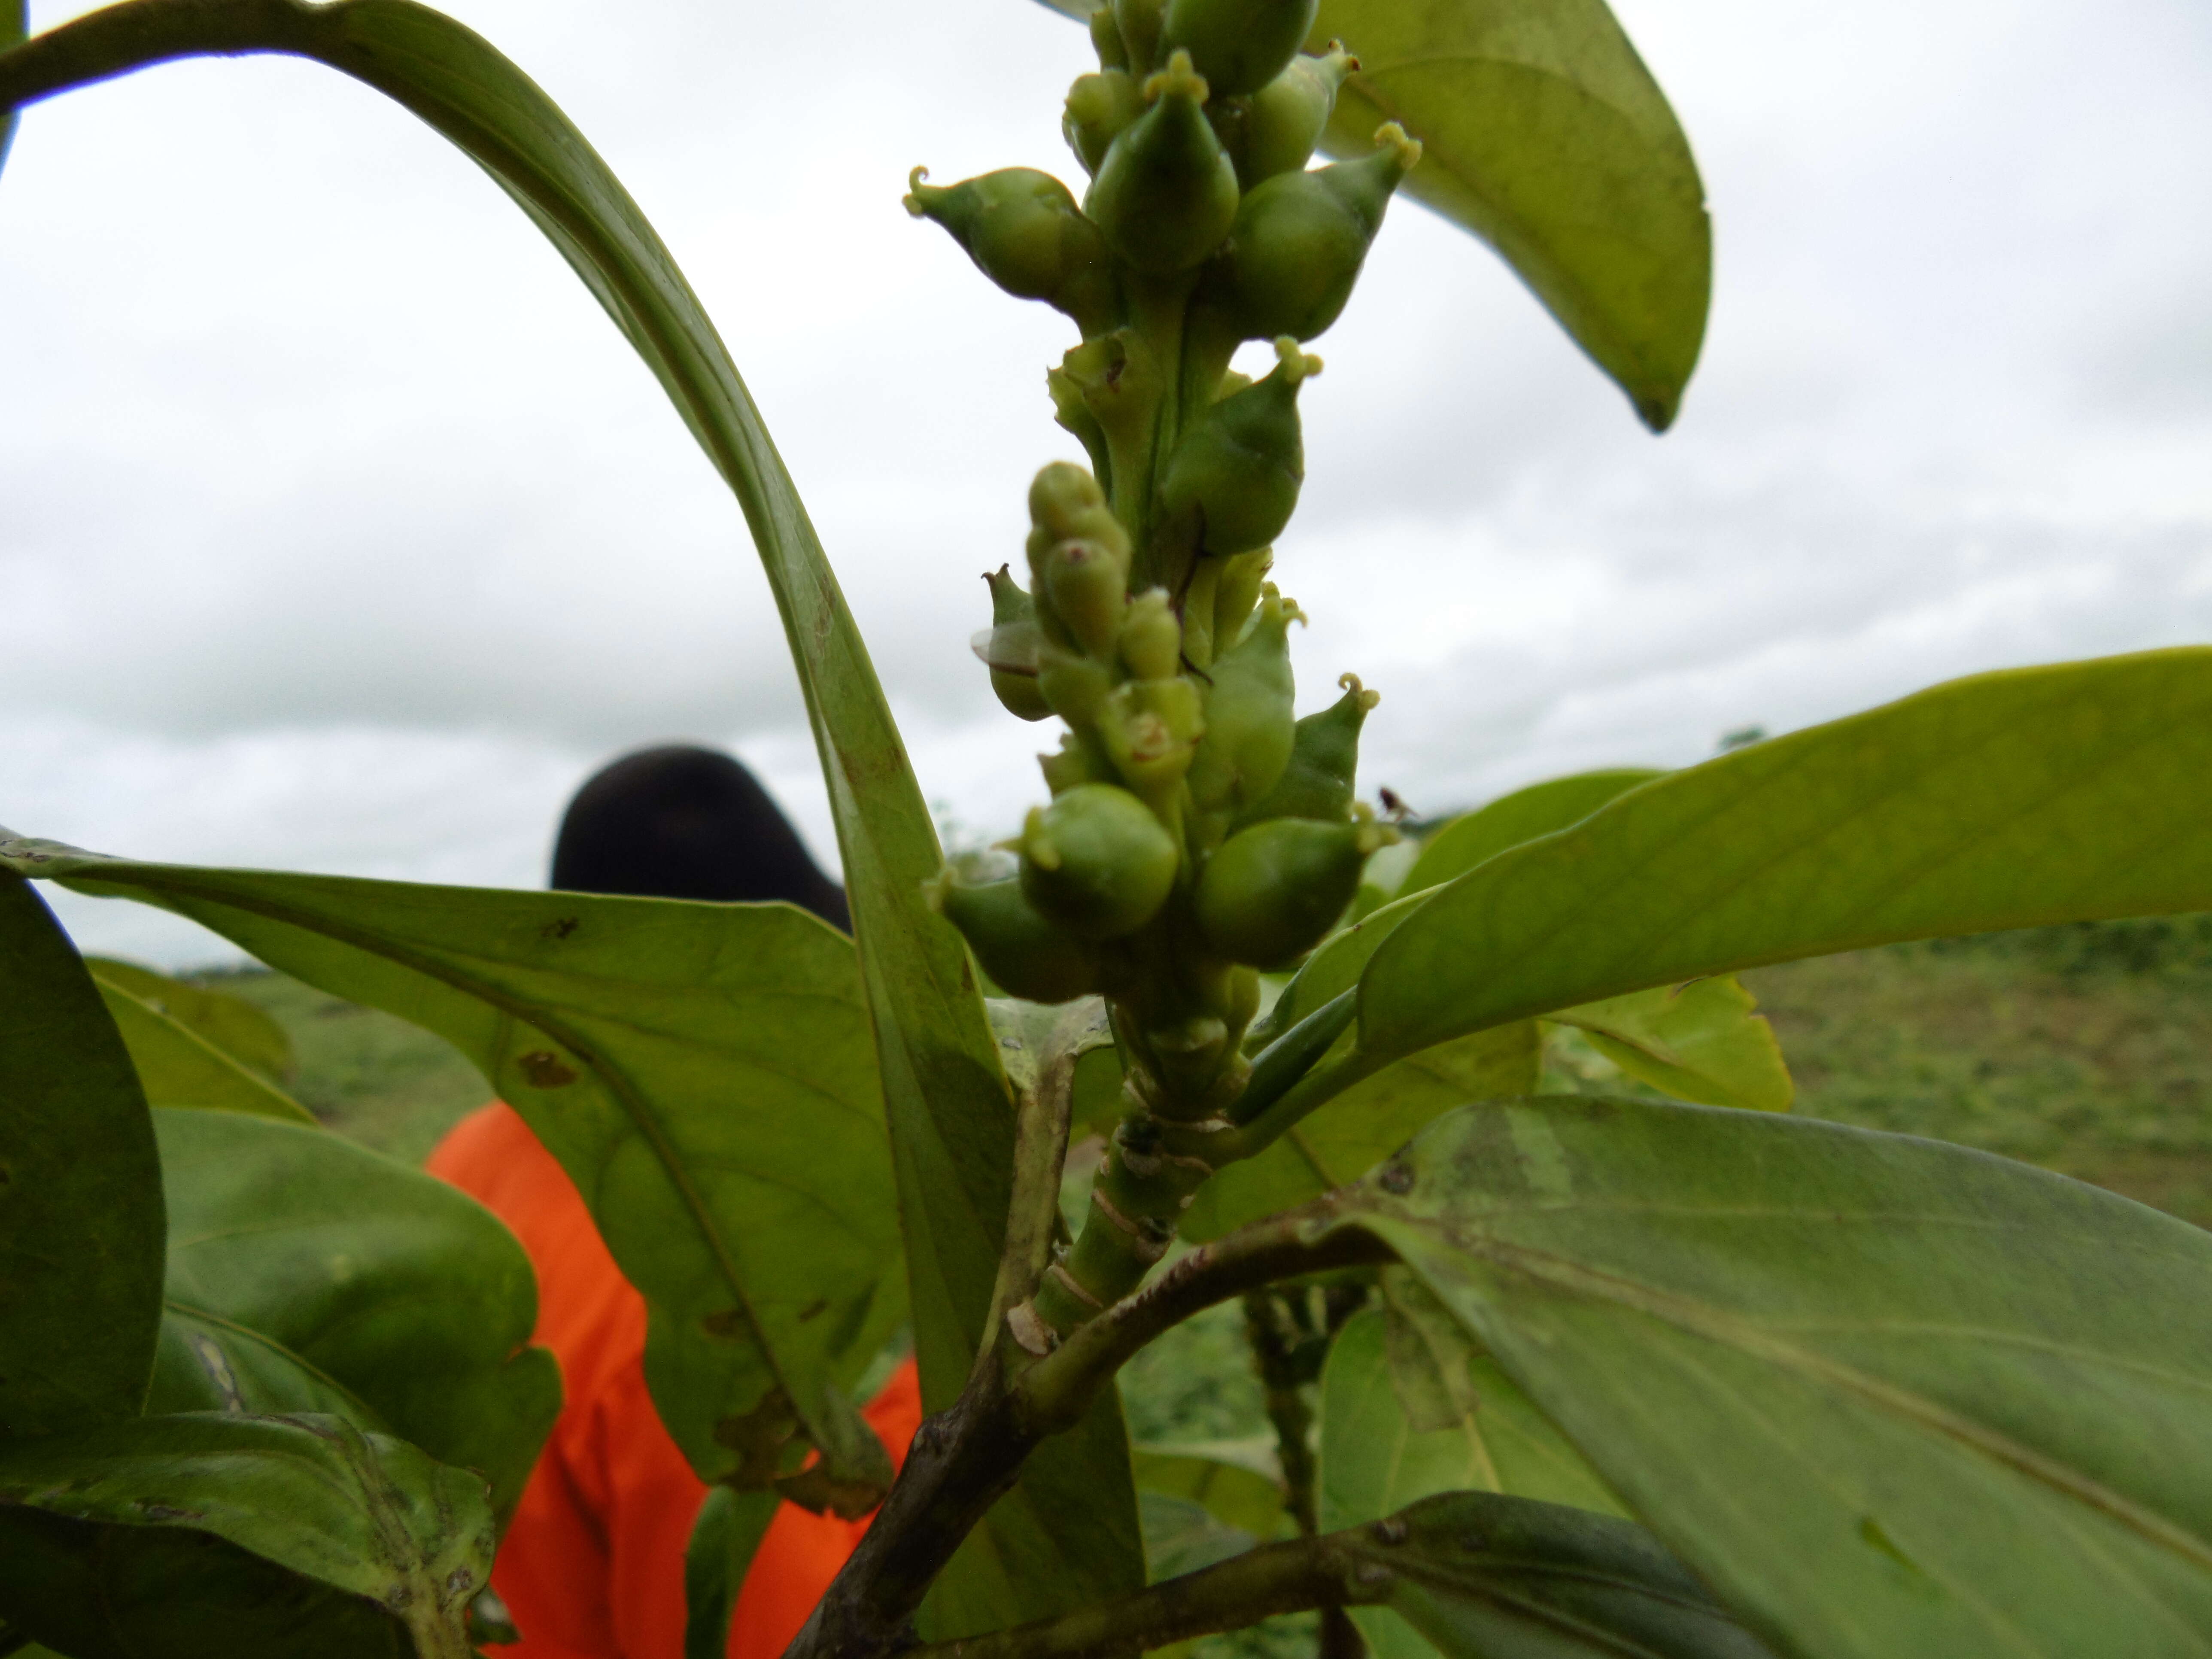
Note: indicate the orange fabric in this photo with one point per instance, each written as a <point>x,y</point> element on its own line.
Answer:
<point>592,1565</point>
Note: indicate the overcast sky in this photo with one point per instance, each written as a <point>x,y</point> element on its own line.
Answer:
<point>339,531</point>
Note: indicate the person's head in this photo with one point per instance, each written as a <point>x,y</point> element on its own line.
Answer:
<point>691,823</point>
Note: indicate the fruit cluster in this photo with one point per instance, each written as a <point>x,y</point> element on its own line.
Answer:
<point>1197,834</point>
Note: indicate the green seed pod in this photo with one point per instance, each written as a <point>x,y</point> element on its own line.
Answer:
<point>1151,638</point>
<point>1097,861</point>
<point>1023,231</point>
<point>1072,766</point>
<point>1235,592</point>
<point>1138,22</point>
<point>1238,46</point>
<point>1237,470</point>
<point>1289,114</point>
<point>1088,588</point>
<point>1324,758</point>
<point>1077,686</point>
<point>1248,718</point>
<point>1023,954</point>
<point>1150,729</point>
<point>1106,40</point>
<point>1099,107</point>
<point>1166,190</point>
<point>1009,648</point>
<point>1299,241</point>
<point>1065,504</point>
<point>1272,892</point>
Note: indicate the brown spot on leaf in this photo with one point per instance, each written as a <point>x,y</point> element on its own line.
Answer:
<point>729,1324</point>
<point>559,928</point>
<point>807,1313</point>
<point>1397,1177</point>
<point>544,1070</point>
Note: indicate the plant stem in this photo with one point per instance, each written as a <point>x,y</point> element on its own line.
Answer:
<point>1275,1578</point>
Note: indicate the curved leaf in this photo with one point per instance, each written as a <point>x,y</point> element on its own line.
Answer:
<point>178,1066</point>
<point>950,1114</point>
<point>1237,1482</point>
<point>247,1034</point>
<point>1886,1396</point>
<point>1485,1576</point>
<point>724,1537</point>
<point>703,1073</point>
<point>308,1274</point>
<point>1476,837</point>
<point>1699,1041</point>
<point>80,1190</point>
<point>2074,792</point>
<point>209,1535</point>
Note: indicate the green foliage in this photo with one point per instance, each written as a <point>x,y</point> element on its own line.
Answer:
<point>235,1026</point>
<point>80,1191</point>
<point>177,1064</point>
<point>308,1275</point>
<point>209,1535</point>
<point>1920,1436</point>
<point>728,1530</point>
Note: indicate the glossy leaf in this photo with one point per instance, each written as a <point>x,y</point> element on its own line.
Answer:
<point>1237,1482</point>
<point>1358,1129</point>
<point>702,1071</point>
<point>1886,1396</point>
<point>950,1117</point>
<point>248,1035</point>
<point>1476,837</point>
<point>723,1539</point>
<point>80,1190</point>
<point>1485,1576</point>
<point>308,1274</point>
<point>1699,1041</point>
<point>1545,135</point>
<point>178,1066</point>
<point>2038,795</point>
<point>211,1534</point>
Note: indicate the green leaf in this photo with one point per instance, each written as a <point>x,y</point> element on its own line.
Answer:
<point>950,1114</point>
<point>80,1190</point>
<point>723,1539</point>
<point>1887,1396</point>
<point>215,1535</point>
<point>1237,1482</point>
<point>308,1274</point>
<point>1475,837</point>
<point>1699,1042</point>
<point>178,1066</point>
<point>14,24</point>
<point>247,1034</point>
<point>1483,1576</point>
<point>1355,1131</point>
<point>1182,1535</point>
<point>703,1073</point>
<point>2073,792</point>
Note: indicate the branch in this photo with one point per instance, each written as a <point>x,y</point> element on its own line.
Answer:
<point>1055,1393</point>
<point>1329,1571</point>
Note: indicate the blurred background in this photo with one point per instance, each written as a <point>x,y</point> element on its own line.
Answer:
<point>340,530</point>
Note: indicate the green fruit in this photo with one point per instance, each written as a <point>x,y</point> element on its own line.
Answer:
<point>1166,190</point>
<point>1324,760</point>
<point>1097,861</point>
<point>1087,587</point>
<point>1289,115</point>
<point>1237,472</point>
<point>1023,954</point>
<point>1299,241</point>
<point>1099,106</point>
<point>1238,46</point>
<point>1065,504</point>
<point>1235,592</point>
<point>1149,729</point>
<point>1009,648</point>
<point>1151,638</point>
<point>1023,231</point>
<point>1248,718</point>
<point>1272,892</point>
<point>1106,40</point>
<point>1138,22</point>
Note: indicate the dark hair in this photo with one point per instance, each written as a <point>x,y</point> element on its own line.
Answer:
<point>691,823</point>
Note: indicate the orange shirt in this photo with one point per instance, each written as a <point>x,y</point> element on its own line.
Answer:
<point>592,1565</point>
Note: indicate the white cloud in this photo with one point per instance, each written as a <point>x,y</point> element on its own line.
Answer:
<point>338,529</point>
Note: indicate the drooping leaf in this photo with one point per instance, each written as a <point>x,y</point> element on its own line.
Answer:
<point>2072,792</point>
<point>1545,135</point>
<point>1887,1396</point>
<point>1486,1576</point>
<point>80,1190</point>
<point>309,1275</point>
<point>950,1115</point>
<point>1237,1482</point>
<point>209,1536</point>
<point>724,1537</point>
<point>1475,837</point>
<point>702,1072</point>
<point>1699,1042</point>
<point>178,1066</point>
<point>248,1035</point>
<point>1354,1132</point>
